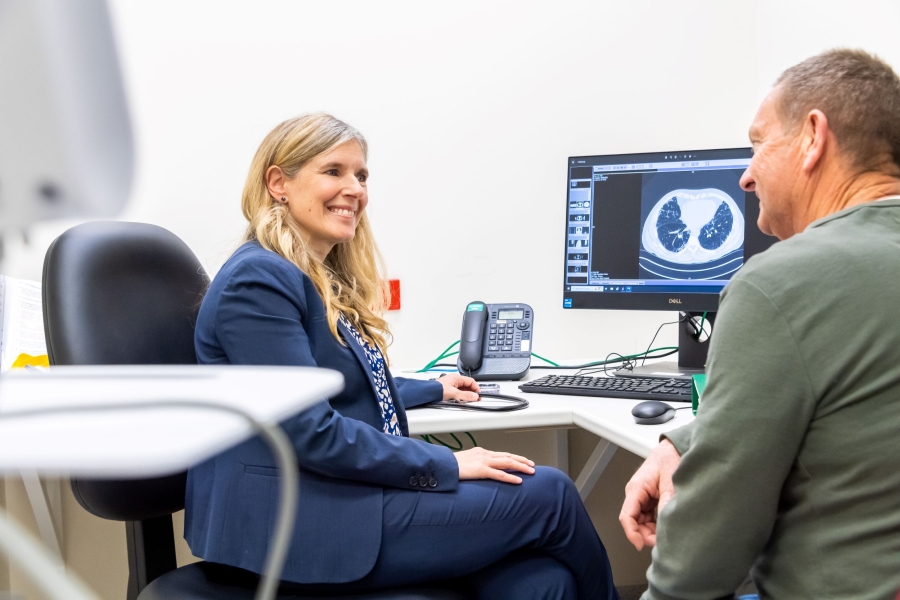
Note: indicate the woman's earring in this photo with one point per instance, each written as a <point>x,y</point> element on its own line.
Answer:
<point>284,200</point>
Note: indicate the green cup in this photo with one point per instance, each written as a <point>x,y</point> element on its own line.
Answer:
<point>698,384</point>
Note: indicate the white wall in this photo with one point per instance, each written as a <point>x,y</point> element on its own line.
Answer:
<point>790,31</point>
<point>470,108</point>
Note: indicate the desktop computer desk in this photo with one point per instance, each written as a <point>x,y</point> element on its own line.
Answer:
<point>44,428</point>
<point>155,439</point>
<point>608,418</point>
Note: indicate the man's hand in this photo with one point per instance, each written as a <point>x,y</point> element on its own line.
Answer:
<point>459,388</point>
<point>478,463</point>
<point>649,490</point>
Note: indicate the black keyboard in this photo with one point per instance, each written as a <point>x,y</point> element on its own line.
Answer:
<point>636,388</point>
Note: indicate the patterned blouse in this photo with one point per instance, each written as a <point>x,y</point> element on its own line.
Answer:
<point>391,425</point>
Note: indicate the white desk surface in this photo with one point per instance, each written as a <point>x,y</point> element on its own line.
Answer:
<point>144,441</point>
<point>609,418</point>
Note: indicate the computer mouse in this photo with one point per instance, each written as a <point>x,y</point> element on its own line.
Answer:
<point>652,412</point>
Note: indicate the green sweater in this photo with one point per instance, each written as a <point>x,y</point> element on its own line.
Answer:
<point>792,467</point>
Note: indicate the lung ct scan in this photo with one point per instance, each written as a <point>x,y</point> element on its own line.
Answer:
<point>692,234</point>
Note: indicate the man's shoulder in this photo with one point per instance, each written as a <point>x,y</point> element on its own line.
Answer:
<point>845,242</point>
<point>798,257</point>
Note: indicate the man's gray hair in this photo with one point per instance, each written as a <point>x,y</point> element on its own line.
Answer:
<point>859,94</point>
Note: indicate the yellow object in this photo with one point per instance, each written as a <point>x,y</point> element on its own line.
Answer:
<point>24,360</point>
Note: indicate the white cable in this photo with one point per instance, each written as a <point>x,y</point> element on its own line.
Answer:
<point>697,321</point>
<point>40,564</point>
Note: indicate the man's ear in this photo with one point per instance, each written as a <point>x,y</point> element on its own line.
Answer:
<point>815,139</point>
<point>275,181</point>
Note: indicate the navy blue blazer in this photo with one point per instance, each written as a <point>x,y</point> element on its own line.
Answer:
<point>262,310</point>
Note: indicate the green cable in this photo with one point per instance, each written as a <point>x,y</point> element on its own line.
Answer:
<point>702,321</point>
<point>546,360</point>
<point>429,437</point>
<point>620,359</point>
<point>439,359</point>
<point>442,356</point>
<point>640,354</point>
<point>434,362</point>
<point>446,354</point>
<point>443,443</point>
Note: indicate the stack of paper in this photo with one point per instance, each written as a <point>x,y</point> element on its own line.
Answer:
<point>21,325</point>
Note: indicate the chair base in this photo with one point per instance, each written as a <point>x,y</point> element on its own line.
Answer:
<point>210,581</point>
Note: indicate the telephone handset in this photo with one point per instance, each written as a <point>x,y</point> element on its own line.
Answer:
<point>495,342</point>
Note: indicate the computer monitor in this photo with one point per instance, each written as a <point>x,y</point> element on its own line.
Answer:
<point>659,231</point>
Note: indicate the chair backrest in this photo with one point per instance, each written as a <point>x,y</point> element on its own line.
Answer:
<point>121,294</point>
<point>125,294</point>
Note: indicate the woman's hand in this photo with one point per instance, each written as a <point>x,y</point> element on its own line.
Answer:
<point>478,463</point>
<point>458,388</point>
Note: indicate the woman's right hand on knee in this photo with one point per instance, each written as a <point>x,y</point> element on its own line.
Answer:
<point>478,463</point>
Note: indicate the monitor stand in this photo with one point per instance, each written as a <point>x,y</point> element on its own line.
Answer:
<point>691,355</point>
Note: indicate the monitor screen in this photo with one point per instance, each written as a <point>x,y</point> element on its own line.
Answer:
<point>658,231</point>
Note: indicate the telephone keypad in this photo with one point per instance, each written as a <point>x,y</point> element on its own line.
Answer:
<point>506,337</point>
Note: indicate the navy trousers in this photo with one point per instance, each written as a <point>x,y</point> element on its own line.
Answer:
<point>532,541</point>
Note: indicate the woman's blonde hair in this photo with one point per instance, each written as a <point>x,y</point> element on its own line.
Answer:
<point>351,279</point>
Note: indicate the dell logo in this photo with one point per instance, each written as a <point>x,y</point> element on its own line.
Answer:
<point>674,300</point>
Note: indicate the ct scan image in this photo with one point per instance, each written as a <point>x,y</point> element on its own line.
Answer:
<point>691,233</point>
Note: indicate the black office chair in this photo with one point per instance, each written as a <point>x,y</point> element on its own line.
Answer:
<point>128,294</point>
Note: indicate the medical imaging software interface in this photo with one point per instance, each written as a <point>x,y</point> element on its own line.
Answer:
<point>663,222</point>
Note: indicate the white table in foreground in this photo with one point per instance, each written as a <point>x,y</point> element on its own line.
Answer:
<point>608,418</point>
<point>150,441</point>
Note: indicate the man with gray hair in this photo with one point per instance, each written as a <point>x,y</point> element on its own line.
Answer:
<point>790,471</point>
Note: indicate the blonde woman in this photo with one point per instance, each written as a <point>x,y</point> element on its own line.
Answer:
<point>377,509</point>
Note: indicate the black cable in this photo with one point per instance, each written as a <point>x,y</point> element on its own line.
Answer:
<point>432,436</point>
<point>428,437</point>
<point>627,362</point>
<point>516,403</point>
<point>680,320</point>
<point>599,366</point>
<point>622,359</point>
<point>598,363</point>
<point>686,317</point>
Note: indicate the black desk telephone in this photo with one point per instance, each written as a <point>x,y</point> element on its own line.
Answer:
<point>495,343</point>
